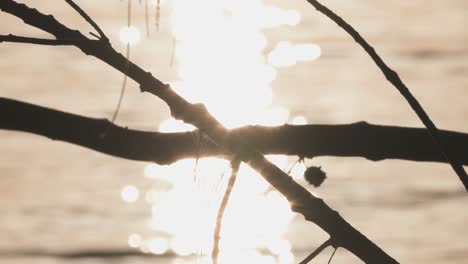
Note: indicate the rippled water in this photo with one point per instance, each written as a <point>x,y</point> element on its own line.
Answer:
<point>62,203</point>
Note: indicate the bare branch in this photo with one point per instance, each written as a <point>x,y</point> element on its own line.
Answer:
<point>89,132</point>
<point>316,252</point>
<point>313,208</point>
<point>88,19</point>
<point>395,79</point>
<point>29,40</point>
<point>373,142</point>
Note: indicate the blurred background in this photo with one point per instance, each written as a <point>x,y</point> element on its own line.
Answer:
<point>63,203</point>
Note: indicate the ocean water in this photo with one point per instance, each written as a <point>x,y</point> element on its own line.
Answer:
<point>61,203</point>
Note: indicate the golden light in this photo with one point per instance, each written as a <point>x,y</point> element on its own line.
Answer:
<point>157,245</point>
<point>246,256</point>
<point>135,240</point>
<point>298,170</point>
<point>222,62</point>
<point>299,120</point>
<point>129,35</point>
<point>130,194</point>
<point>286,54</point>
<point>182,246</point>
<point>275,17</point>
<point>155,2</point>
<point>172,125</point>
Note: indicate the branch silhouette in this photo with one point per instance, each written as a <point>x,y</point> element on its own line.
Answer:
<point>31,40</point>
<point>373,142</point>
<point>313,208</point>
<point>88,19</point>
<point>393,77</point>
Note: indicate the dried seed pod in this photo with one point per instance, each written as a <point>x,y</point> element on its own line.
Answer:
<point>315,175</point>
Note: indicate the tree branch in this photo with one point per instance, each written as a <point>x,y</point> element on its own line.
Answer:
<point>313,208</point>
<point>316,252</point>
<point>373,142</point>
<point>393,77</point>
<point>88,19</point>
<point>29,40</point>
<point>97,134</point>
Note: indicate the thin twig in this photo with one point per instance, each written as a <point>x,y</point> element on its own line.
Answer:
<point>317,251</point>
<point>122,89</point>
<point>332,255</point>
<point>294,164</point>
<point>88,19</point>
<point>127,56</point>
<point>30,40</point>
<point>395,79</point>
<point>235,164</point>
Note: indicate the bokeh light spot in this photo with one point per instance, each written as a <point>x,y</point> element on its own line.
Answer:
<point>130,194</point>
<point>129,35</point>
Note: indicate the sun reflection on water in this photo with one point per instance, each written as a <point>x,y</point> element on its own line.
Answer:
<point>221,60</point>
<point>129,35</point>
<point>130,193</point>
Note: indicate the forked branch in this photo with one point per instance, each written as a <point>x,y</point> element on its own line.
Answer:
<point>88,19</point>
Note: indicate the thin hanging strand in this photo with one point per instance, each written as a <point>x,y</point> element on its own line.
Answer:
<point>123,88</point>
<point>147,19</point>
<point>174,43</point>
<point>235,164</point>
<point>195,168</point>
<point>158,14</point>
<point>127,56</point>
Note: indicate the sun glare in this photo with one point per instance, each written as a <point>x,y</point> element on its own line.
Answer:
<point>158,245</point>
<point>222,61</point>
<point>134,240</point>
<point>299,120</point>
<point>129,35</point>
<point>286,54</point>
